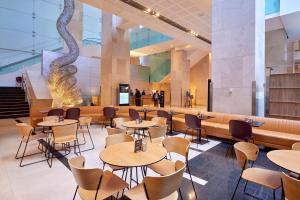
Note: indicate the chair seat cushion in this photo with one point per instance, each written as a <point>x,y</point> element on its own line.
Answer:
<point>264,177</point>
<point>138,193</point>
<point>111,184</point>
<point>164,167</point>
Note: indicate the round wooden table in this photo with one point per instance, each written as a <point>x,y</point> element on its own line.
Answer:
<point>144,124</point>
<point>51,123</point>
<point>122,155</point>
<point>287,159</point>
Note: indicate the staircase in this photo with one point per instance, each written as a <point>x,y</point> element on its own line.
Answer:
<point>12,103</point>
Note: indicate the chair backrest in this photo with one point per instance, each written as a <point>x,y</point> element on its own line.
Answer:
<point>85,121</point>
<point>119,121</point>
<point>133,114</point>
<point>177,145</point>
<point>160,187</point>
<point>64,130</point>
<point>24,129</point>
<point>73,113</point>
<point>165,114</point>
<point>245,151</point>
<point>240,129</point>
<point>109,112</point>
<point>160,121</point>
<point>291,187</point>
<point>296,146</point>
<point>157,132</point>
<point>113,131</point>
<point>192,121</point>
<point>116,139</point>
<point>87,179</point>
<point>56,112</point>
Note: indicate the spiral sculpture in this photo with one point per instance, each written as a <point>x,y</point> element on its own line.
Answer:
<point>61,79</point>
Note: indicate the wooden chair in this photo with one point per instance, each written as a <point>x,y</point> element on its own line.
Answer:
<point>116,139</point>
<point>64,135</point>
<point>162,187</point>
<point>114,131</point>
<point>84,127</point>
<point>296,146</point>
<point>291,187</point>
<point>268,178</point>
<point>158,134</point>
<point>118,124</point>
<point>177,145</point>
<point>94,183</point>
<point>28,135</point>
<point>160,121</point>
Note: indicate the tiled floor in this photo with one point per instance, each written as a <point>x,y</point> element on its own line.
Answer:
<point>215,175</point>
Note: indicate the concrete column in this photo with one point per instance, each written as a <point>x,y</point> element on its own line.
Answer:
<point>115,59</point>
<point>180,76</point>
<point>238,56</point>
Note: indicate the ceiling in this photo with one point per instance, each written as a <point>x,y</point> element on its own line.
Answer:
<point>192,14</point>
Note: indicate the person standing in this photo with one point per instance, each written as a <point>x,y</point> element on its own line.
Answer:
<point>156,98</point>
<point>143,93</point>
<point>137,97</point>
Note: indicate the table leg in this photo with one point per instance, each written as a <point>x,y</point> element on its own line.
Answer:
<point>171,127</point>
<point>145,115</point>
<point>198,140</point>
<point>111,122</point>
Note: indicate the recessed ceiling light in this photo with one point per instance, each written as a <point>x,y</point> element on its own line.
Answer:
<point>141,26</point>
<point>148,10</point>
<point>157,14</point>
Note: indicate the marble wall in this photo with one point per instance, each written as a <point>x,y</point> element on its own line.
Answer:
<point>199,75</point>
<point>238,55</point>
<point>115,59</point>
<point>180,76</point>
<point>279,52</point>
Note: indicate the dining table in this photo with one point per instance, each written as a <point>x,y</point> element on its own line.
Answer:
<point>287,159</point>
<point>123,155</point>
<point>172,113</point>
<point>139,125</point>
<point>145,111</point>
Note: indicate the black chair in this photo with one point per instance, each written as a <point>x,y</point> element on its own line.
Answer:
<point>73,113</point>
<point>165,114</point>
<point>109,114</point>
<point>133,114</point>
<point>193,123</point>
<point>240,130</point>
<point>56,112</point>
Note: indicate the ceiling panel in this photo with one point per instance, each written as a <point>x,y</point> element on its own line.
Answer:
<point>192,14</point>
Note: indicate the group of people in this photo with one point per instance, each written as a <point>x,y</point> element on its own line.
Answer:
<point>138,97</point>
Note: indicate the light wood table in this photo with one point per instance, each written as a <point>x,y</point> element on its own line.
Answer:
<point>122,155</point>
<point>134,125</point>
<point>51,123</point>
<point>287,159</point>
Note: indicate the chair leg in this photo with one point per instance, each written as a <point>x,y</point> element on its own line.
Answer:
<point>245,186</point>
<point>23,154</point>
<point>188,168</point>
<point>75,192</point>
<point>52,153</point>
<point>91,138</point>
<point>236,187</point>
<point>274,194</point>
<point>78,147</point>
<point>16,157</point>
<point>180,194</point>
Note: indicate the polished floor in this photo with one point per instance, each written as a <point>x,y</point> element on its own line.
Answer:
<point>214,173</point>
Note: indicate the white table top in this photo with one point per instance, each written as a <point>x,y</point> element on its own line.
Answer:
<point>51,123</point>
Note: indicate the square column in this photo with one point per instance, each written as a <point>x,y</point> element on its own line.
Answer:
<point>115,59</point>
<point>180,76</point>
<point>238,56</point>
